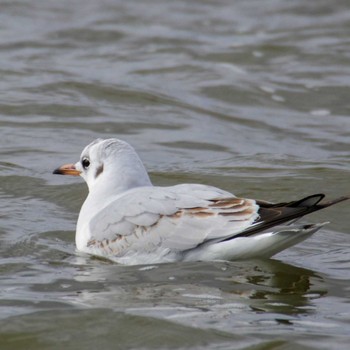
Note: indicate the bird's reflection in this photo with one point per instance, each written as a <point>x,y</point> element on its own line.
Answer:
<point>195,289</point>
<point>273,286</point>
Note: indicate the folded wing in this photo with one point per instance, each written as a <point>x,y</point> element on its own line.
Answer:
<point>177,218</point>
<point>183,217</point>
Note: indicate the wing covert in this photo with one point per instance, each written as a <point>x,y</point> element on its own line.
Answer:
<point>177,218</point>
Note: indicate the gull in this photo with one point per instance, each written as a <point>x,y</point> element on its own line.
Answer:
<point>126,219</point>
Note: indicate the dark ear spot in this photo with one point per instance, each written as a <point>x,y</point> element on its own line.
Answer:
<point>99,171</point>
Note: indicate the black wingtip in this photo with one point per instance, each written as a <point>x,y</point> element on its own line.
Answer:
<point>335,201</point>
<point>276,214</point>
<point>308,201</point>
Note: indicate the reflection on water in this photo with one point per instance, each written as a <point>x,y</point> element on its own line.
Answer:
<point>205,295</point>
<point>261,286</point>
<point>219,296</point>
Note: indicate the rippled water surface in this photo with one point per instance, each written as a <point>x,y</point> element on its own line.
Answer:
<point>251,96</point>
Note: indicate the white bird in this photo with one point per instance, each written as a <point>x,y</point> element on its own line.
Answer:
<point>127,219</point>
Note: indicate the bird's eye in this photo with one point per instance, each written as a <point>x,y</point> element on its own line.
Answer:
<point>85,162</point>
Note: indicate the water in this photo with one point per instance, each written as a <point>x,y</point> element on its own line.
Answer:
<point>250,96</point>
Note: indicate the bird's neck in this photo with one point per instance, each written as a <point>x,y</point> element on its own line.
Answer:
<point>123,175</point>
<point>112,186</point>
